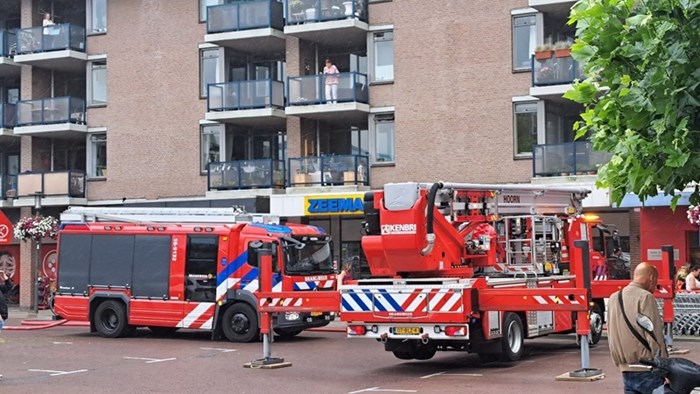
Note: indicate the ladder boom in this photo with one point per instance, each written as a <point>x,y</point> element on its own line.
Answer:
<point>164,215</point>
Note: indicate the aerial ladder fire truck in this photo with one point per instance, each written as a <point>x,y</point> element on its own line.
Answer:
<point>481,268</point>
<point>172,268</point>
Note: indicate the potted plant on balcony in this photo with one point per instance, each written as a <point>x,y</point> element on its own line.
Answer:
<point>544,52</point>
<point>562,49</point>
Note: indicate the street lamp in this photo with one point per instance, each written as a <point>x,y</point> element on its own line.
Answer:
<point>37,254</point>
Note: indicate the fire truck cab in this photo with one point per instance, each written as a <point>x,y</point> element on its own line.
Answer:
<point>172,268</point>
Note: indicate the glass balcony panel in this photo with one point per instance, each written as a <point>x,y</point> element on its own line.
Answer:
<point>51,38</point>
<point>310,11</point>
<point>555,71</point>
<point>8,115</point>
<point>52,110</point>
<point>232,96</point>
<point>244,15</point>
<point>312,89</point>
<point>246,174</point>
<point>333,170</point>
<point>567,159</point>
<point>9,186</point>
<point>8,43</point>
<point>29,184</point>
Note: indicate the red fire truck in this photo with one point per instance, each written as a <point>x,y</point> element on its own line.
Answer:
<point>171,268</point>
<point>480,268</point>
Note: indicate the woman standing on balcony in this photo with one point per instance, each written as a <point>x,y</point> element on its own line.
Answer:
<point>331,82</point>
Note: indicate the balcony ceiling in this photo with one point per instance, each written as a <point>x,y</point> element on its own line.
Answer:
<point>66,60</point>
<point>65,131</point>
<point>266,41</point>
<point>265,117</point>
<point>7,135</point>
<point>9,68</point>
<point>347,112</point>
<point>333,34</point>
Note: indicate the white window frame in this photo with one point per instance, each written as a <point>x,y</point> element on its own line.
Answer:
<point>373,135</point>
<point>222,145</point>
<point>371,57</point>
<point>203,88</point>
<point>540,124</point>
<point>96,62</point>
<point>91,152</point>
<point>203,4</point>
<point>89,23</point>
<point>539,33</point>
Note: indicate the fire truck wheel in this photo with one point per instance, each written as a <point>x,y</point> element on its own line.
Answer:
<point>513,338</point>
<point>111,321</point>
<point>240,323</point>
<point>425,353</point>
<point>404,355</point>
<point>596,323</point>
<point>286,333</point>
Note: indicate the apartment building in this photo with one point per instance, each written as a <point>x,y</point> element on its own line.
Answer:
<point>218,103</point>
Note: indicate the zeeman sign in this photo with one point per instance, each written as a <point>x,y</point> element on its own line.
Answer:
<point>347,204</point>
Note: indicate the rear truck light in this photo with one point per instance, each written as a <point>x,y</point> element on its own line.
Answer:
<point>357,330</point>
<point>456,331</point>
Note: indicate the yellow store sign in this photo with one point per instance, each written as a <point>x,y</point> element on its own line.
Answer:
<point>323,205</point>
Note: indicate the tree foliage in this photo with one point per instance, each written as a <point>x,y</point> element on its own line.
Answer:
<point>641,97</point>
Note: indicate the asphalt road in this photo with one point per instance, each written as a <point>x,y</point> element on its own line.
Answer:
<point>71,360</point>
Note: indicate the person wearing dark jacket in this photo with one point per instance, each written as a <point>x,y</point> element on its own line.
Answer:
<point>5,286</point>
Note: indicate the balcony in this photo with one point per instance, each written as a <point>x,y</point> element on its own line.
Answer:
<point>553,76</point>
<point>56,117</point>
<point>332,170</point>
<point>249,26</point>
<point>8,48</point>
<point>245,174</point>
<point>58,47</point>
<point>247,103</point>
<point>571,158</point>
<point>307,96</point>
<point>328,22</point>
<point>56,188</point>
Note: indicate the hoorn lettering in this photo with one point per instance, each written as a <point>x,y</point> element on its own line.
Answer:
<point>510,199</point>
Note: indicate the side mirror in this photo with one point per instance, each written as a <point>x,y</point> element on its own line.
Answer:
<point>645,322</point>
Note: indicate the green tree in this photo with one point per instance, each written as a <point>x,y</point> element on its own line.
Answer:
<point>641,97</point>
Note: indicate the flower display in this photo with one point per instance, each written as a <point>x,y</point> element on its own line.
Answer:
<point>694,214</point>
<point>36,228</point>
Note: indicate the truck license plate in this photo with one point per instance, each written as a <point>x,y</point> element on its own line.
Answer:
<point>407,330</point>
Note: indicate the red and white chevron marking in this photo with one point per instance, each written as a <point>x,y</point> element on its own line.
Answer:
<point>555,300</point>
<point>201,316</point>
<point>292,301</point>
<point>442,300</point>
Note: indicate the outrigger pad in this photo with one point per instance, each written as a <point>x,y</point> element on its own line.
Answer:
<point>582,375</point>
<point>268,363</point>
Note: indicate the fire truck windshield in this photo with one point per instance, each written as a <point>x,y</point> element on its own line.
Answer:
<point>307,256</point>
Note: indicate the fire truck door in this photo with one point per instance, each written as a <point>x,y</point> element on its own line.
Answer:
<point>200,268</point>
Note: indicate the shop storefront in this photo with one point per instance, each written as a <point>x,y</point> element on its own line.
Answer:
<point>339,214</point>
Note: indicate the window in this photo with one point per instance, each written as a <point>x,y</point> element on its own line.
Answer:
<point>524,39</point>
<point>97,85</point>
<point>384,139</point>
<point>383,56</point>
<point>98,156</point>
<point>525,128</point>
<point>97,13</point>
<point>212,146</point>
<point>208,69</point>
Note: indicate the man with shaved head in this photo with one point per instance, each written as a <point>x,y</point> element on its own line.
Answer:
<point>628,347</point>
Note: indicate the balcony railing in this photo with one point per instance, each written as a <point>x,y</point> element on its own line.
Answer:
<point>245,15</point>
<point>232,96</point>
<point>245,174</point>
<point>331,170</point>
<point>51,111</point>
<point>310,11</point>
<point>8,115</point>
<point>571,158</point>
<point>312,89</point>
<point>69,183</point>
<point>555,71</point>
<point>50,38</point>
<point>9,186</point>
<point>8,43</point>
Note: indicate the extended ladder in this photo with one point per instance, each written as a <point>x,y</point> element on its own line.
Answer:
<point>164,215</point>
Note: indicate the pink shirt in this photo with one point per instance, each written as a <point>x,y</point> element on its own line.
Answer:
<point>331,80</point>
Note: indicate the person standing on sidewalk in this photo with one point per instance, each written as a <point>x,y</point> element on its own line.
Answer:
<point>5,286</point>
<point>627,340</point>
